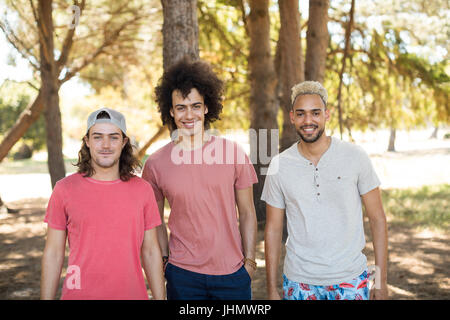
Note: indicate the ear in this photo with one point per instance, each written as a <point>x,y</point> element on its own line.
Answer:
<point>327,114</point>
<point>206,109</point>
<point>86,140</point>
<point>291,116</point>
<point>171,113</point>
<point>125,140</point>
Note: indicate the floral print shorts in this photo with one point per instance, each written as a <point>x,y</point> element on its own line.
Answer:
<point>356,289</point>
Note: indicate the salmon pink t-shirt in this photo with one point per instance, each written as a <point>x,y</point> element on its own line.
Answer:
<point>200,188</point>
<point>105,223</point>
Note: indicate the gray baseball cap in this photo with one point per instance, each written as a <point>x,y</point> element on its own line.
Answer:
<point>115,117</point>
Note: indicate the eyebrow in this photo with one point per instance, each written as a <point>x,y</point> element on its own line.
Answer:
<point>109,134</point>
<point>189,104</point>
<point>315,109</point>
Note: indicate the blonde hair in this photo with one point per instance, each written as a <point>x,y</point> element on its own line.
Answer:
<point>309,87</point>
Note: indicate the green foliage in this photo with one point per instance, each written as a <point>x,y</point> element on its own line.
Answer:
<point>14,98</point>
<point>428,206</point>
<point>224,44</point>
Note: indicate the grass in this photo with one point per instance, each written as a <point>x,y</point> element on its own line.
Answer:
<point>35,166</point>
<point>31,166</point>
<point>425,207</point>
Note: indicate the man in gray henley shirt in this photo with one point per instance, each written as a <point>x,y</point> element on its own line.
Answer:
<point>320,181</point>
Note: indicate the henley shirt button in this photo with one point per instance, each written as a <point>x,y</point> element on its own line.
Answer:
<point>318,194</point>
<point>317,169</point>
<point>317,185</point>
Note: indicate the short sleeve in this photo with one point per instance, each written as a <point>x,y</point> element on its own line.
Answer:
<point>152,218</point>
<point>367,177</point>
<point>245,175</point>
<point>149,176</point>
<point>56,216</point>
<point>272,193</point>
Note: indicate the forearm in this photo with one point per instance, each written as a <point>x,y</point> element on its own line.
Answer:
<point>248,227</point>
<point>378,228</point>
<point>153,268</point>
<point>272,248</point>
<point>161,230</point>
<point>163,239</point>
<point>52,263</point>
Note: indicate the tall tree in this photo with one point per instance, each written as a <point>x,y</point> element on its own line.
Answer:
<point>49,86</point>
<point>263,102</point>
<point>180,31</point>
<point>289,64</point>
<point>57,54</point>
<point>317,40</point>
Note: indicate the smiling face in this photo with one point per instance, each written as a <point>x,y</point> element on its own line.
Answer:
<point>105,142</point>
<point>309,116</point>
<point>188,112</point>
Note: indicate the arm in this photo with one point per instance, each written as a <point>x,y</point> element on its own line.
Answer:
<point>52,262</point>
<point>163,239</point>
<point>378,226</point>
<point>152,263</point>
<point>247,224</point>
<point>272,247</point>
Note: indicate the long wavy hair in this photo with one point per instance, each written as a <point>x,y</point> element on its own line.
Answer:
<point>128,163</point>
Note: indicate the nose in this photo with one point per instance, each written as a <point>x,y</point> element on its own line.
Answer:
<point>308,117</point>
<point>106,143</point>
<point>189,113</point>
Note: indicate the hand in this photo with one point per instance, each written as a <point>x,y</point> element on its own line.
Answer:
<point>273,295</point>
<point>250,270</point>
<point>379,294</point>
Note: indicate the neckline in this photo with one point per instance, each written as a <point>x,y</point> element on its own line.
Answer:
<point>211,139</point>
<point>323,158</point>
<point>104,182</point>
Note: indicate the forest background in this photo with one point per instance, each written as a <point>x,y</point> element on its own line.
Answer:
<point>384,63</point>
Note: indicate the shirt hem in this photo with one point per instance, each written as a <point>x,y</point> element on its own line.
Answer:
<point>331,282</point>
<point>196,270</point>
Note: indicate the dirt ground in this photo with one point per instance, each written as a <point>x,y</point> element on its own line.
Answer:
<point>418,260</point>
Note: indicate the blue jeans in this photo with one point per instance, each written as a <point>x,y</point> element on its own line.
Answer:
<point>187,285</point>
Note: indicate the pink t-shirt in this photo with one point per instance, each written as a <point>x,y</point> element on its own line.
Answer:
<point>105,223</point>
<point>200,188</point>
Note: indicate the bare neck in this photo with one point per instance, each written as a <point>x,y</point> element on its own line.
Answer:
<point>314,151</point>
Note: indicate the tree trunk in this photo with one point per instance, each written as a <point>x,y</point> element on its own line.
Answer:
<point>25,120</point>
<point>348,33</point>
<point>263,106</point>
<point>141,153</point>
<point>316,40</point>
<point>49,87</point>
<point>391,146</point>
<point>435,132</point>
<point>289,65</point>
<point>180,31</point>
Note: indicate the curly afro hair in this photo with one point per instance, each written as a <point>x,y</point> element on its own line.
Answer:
<point>184,76</point>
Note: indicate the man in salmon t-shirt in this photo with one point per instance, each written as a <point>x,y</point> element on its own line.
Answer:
<point>210,255</point>
<point>109,217</point>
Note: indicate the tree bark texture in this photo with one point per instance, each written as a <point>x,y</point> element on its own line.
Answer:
<point>49,89</point>
<point>317,40</point>
<point>180,31</point>
<point>289,65</point>
<point>263,104</point>
<point>25,120</point>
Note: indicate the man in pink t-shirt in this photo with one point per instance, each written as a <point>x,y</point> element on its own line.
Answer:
<point>211,252</point>
<point>108,216</point>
